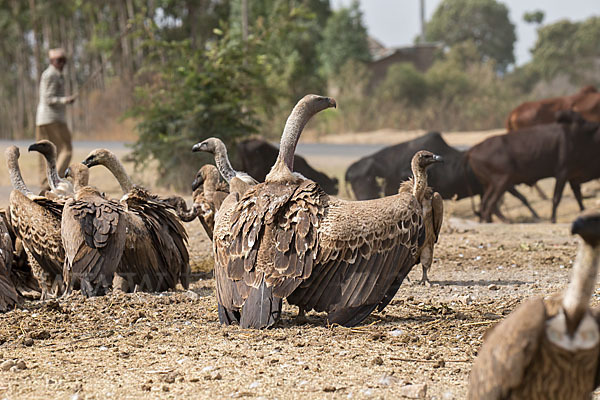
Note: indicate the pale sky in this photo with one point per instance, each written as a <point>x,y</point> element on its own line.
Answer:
<point>396,22</point>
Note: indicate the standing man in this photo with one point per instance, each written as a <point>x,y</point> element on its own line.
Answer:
<point>50,119</point>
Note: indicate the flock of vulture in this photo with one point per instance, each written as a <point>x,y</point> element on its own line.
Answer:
<point>286,238</point>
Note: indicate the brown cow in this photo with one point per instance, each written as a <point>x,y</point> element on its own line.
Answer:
<point>566,150</point>
<point>531,113</point>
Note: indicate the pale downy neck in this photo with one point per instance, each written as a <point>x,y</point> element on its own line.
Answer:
<point>51,173</point>
<point>222,161</point>
<point>294,125</point>
<point>581,286</point>
<point>16,179</point>
<point>419,182</point>
<point>115,166</point>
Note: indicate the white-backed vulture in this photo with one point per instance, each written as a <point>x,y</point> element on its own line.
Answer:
<point>547,349</point>
<point>9,297</point>
<point>208,195</point>
<point>155,257</point>
<point>239,182</point>
<point>58,186</point>
<point>216,147</point>
<point>36,222</point>
<point>286,238</point>
<point>93,235</point>
<point>433,215</point>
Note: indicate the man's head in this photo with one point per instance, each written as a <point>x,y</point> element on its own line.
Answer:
<point>58,58</point>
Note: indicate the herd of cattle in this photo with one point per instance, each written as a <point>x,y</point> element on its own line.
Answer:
<point>558,137</point>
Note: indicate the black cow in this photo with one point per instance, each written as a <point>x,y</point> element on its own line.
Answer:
<point>392,165</point>
<point>256,157</point>
<point>452,179</point>
<point>567,151</point>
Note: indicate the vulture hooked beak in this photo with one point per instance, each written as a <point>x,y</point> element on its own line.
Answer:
<point>199,147</point>
<point>437,158</point>
<point>68,173</point>
<point>90,162</point>
<point>35,147</point>
<point>197,182</point>
<point>332,102</point>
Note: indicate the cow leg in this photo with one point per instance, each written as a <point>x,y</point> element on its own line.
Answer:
<point>523,199</point>
<point>540,192</point>
<point>494,197</point>
<point>559,186</point>
<point>489,202</point>
<point>576,188</point>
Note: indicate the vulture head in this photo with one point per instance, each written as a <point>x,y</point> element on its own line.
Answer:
<point>205,173</point>
<point>423,159</point>
<point>98,157</point>
<point>211,145</point>
<point>45,147</point>
<point>79,173</point>
<point>587,225</point>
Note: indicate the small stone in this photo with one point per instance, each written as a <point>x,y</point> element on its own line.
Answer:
<point>216,376</point>
<point>377,361</point>
<point>388,380</point>
<point>146,387</point>
<point>165,388</point>
<point>192,295</point>
<point>254,385</point>
<point>28,341</point>
<point>21,364</point>
<point>208,369</point>
<point>439,364</point>
<point>75,396</point>
<point>413,391</point>
<point>329,389</point>
<point>6,365</point>
<point>13,368</point>
<point>194,380</point>
<point>493,287</point>
<point>396,332</point>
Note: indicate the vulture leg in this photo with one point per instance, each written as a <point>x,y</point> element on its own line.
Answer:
<point>426,261</point>
<point>227,317</point>
<point>301,317</point>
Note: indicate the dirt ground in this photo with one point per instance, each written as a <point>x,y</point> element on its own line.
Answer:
<point>170,345</point>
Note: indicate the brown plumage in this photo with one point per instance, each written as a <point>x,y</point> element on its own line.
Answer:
<point>208,195</point>
<point>9,297</point>
<point>58,186</point>
<point>547,349</point>
<point>155,257</point>
<point>93,235</point>
<point>36,222</point>
<point>433,215</point>
<point>239,183</point>
<point>287,238</point>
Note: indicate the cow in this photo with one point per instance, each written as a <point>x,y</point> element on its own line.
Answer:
<point>256,157</point>
<point>566,150</point>
<point>452,179</point>
<point>531,113</point>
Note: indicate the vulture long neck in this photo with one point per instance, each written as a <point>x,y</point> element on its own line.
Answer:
<point>51,172</point>
<point>222,161</point>
<point>118,170</point>
<point>16,179</point>
<point>581,287</point>
<point>294,125</point>
<point>419,182</point>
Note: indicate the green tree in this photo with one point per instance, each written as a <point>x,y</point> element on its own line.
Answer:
<point>534,17</point>
<point>485,22</point>
<point>193,95</point>
<point>345,38</point>
<point>566,47</point>
<point>403,83</point>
